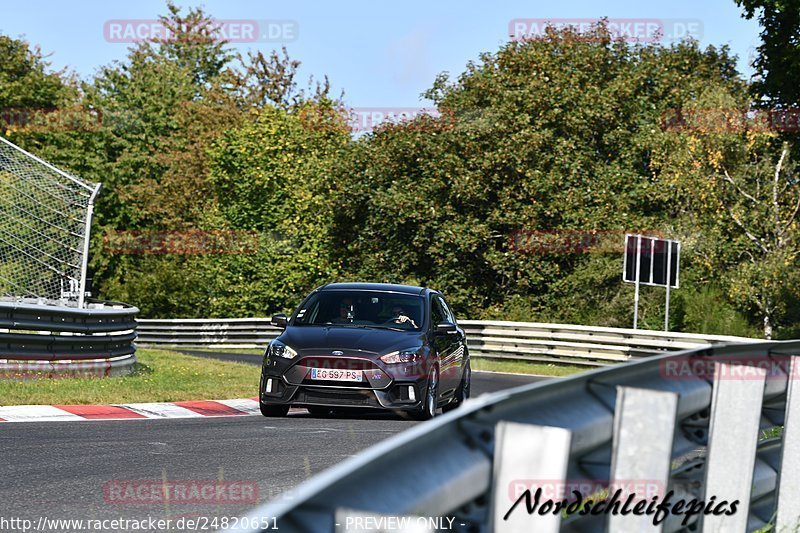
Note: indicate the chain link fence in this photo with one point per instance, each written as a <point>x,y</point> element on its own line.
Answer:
<point>45,219</point>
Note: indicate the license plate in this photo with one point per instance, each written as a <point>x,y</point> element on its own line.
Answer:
<point>332,374</point>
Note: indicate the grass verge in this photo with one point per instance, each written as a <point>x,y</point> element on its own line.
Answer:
<point>245,351</point>
<point>524,367</point>
<point>160,376</point>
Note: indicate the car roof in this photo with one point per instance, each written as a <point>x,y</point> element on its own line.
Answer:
<point>385,287</point>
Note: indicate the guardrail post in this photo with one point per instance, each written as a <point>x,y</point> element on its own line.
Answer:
<point>85,257</point>
<point>527,456</point>
<point>733,436</point>
<point>644,427</point>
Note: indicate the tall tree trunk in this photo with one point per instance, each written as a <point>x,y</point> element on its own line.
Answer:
<point>767,324</point>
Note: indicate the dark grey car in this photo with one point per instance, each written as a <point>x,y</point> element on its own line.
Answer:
<point>367,345</point>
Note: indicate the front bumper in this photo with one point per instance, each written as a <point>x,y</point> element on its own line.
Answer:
<point>396,387</point>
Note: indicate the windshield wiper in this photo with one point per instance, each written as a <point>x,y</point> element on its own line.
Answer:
<point>370,326</point>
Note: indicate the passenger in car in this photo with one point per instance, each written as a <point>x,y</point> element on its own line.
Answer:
<point>401,317</point>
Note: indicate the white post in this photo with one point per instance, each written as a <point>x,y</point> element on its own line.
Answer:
<point>636,294</point>
<point>733,441</point>
<point>87,231</point>
<point>669,281</point>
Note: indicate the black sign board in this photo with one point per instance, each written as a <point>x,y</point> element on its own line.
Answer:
<point>658,260</point>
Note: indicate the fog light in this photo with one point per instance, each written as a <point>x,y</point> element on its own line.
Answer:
<point>269,385</point>
<point>411,394</point>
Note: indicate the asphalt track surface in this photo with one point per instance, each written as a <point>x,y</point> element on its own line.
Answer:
<point>104,470</point>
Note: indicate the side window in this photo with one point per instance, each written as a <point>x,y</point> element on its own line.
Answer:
<point>307,313</point>
<point>451,317</point>
<point>437,314</point>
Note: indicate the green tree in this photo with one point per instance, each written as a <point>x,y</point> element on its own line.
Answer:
<point>557,134</point>
<point>762,200</point>
<point>272,177</point>
<point>778,56</point>
<point>26,82</point>
<point>192,42</point>
<point>172,101</point>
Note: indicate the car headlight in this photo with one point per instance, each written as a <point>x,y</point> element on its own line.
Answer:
<point>409,355</point>
<point>278,349</point>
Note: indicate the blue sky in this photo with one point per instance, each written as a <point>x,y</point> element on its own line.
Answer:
<point>383,54</point>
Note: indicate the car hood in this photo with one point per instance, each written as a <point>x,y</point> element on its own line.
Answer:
<point>373,341</point>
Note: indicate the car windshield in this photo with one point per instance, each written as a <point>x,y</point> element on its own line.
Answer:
<point>353,308</point>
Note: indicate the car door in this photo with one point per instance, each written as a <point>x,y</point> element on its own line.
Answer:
<point>459,341</point>
<point>446,346</point>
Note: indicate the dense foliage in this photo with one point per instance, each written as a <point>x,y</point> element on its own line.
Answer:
<point>543,141</point>
<point>778,55</point>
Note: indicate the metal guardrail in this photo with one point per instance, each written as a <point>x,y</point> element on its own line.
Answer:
<point>577,345</point>
<point>701,424</point>
<point>564,343</point>
<point>49,339</point>
<point>204,332</point>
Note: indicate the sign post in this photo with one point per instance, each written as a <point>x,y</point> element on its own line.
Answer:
<point>669,275</point>
<point>638,268</point>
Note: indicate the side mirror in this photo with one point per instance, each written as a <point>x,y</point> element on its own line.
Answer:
<point>446,328</point>
<point>279,320</point>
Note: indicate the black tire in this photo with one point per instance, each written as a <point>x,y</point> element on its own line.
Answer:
<point>429,405</point>
<point>463,390</point>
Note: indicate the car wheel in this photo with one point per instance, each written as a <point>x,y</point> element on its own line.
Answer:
<point>463,390</point>
<point>428,408</point>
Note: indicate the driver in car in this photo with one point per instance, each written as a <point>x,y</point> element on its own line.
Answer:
<point>400,316</point>
<point>346,313</point>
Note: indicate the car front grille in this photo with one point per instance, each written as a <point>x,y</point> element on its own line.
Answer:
<point>336,397</point>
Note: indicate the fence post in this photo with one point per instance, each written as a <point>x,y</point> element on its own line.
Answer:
<point>733,438</point>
